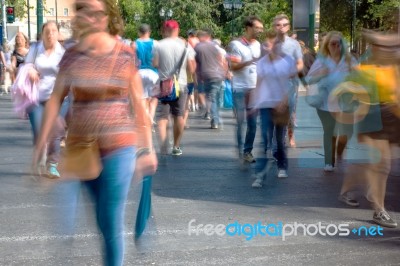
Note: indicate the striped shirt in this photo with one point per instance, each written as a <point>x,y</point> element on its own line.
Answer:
<point>99,86</point>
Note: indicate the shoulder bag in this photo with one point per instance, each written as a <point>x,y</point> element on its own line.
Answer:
<point>169,88</point>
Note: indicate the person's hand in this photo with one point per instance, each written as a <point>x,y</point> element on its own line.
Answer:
<point>283,106</point>
<point>36,158</point>
<point>146,164</point>
<point>229,75</point>
<point>252,61</point>
<point>33,75</point>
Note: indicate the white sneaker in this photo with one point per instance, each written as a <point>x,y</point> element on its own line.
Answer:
<point>282,173</point>
<point>257,183</point>
<point>328,168</point>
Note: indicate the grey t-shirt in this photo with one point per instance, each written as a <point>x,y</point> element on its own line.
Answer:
<point>209,62</point>
<point>168,52</point>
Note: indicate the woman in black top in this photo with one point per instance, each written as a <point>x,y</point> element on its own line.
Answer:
<point>20,51</point>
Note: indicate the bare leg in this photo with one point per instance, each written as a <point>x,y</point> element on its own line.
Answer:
<point>162,132</point>
<point>152,107</point>
<point>179,124</point>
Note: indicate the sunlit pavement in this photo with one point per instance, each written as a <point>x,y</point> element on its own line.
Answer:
<point>192,195</point>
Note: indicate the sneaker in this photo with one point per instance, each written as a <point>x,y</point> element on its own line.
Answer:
<point>383,218</point>
<point>328,168</point>
<point>257,183</point>
<point>176,151</point>
<point>207,116</point>
<point>282,173</point>
<point>349,201</point>
<point>214,126</point>
<point>52,171</point>
<point>248,157</point>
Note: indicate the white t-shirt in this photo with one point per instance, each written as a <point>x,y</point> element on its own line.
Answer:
<point>241,51</point>
<point>47,66</point>
<point>273,81</point>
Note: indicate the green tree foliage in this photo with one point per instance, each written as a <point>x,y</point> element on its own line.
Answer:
<point>370,14</point>
<point>199,14</point>
<point>20,7</point>
<point>336,15</point>
<point>385,13</point>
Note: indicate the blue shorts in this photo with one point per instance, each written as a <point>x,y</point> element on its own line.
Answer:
<point>200,87</point>
<point>190,87</point>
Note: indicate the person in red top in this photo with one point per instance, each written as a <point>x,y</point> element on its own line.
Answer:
<point>100,74</point>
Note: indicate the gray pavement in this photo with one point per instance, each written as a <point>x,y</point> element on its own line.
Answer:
<point>208,184</point>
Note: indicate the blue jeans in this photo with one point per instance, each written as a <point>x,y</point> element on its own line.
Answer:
<point>212,89</point>
<point>293,95</point>
<point>110,192</point>
<point>35,115</point>
<point>240,107</point>
<point>268,130</point>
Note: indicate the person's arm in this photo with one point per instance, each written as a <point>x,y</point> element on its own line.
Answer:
<point>146,163</point>
<point>155,55</point>
<point>3,59</point>
<point>31,58</point>
<point>223,62</point>
<point>14,62</point>
<point>191,60</point>
<point>317,71</point>
<point>191,66</point>
<point>49,117</point>
<point>299,65</point>
<point>236,59</point>
<point>239,65</point>
<point>298,55</point>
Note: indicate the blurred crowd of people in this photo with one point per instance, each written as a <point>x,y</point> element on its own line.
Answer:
<point>99,88</point>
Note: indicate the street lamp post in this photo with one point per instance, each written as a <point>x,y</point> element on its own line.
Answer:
<point>39,8</point>
<point>166,14</point>
<point>353,24</point>
<point>4,21</point>
<point>232,5</point>
<point>55,3</point>
<point>136,17</point>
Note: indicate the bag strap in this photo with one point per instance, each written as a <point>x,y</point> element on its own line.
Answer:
<point>36,51</point>
<point>34,45</point>
<point>178,70</point>
<point>115,55</point>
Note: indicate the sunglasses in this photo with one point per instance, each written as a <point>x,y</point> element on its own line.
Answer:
<point>334,43</point>
<point>282,25</point>
<point>99,14</point>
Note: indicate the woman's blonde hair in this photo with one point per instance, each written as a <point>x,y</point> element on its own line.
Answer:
<point>343,47</point>
<point>25,37</point>
<point>115,21</point>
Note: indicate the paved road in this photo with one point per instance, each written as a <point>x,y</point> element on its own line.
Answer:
<point>206,184</point>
